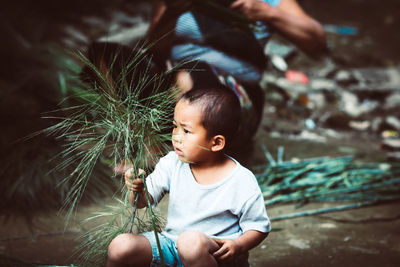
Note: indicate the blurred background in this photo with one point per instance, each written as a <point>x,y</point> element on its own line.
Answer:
<point>346,103</point>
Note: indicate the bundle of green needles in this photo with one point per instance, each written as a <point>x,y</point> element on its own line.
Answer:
<point>118,113</point>
<point>326,179</point>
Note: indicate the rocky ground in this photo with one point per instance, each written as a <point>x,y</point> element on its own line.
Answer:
<point>347,103</point>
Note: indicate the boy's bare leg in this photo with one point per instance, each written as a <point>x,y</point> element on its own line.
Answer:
<point>129,250</point>
<point>195,249</point>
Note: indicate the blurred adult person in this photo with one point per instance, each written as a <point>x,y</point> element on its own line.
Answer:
<point>206,34</point>
<point>193,30</point>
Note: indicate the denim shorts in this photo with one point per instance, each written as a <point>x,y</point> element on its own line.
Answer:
<point>242,71</point>
<point>170,253</point>
<point>168,249</point>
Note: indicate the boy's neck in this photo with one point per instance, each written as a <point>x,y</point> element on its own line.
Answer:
<point>213,170</point>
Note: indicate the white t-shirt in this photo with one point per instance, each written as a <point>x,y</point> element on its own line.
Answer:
<point>225,209</point>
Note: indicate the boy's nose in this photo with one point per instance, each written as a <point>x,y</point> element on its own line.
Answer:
<point>177,138</point>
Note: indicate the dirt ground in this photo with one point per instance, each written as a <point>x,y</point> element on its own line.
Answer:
<point>364,237</point>
<point>368,236</point>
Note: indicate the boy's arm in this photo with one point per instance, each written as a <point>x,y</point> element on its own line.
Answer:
<point>142,202</point>
<point>250,239</point>
<point>231,248</point>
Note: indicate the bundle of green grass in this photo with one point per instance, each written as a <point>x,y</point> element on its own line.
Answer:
<point>118,113</point>
<point>326,179</point>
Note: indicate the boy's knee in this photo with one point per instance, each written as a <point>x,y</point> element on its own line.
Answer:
<point>192,245</point>
<point>118,248</point>
<point>124,247</point>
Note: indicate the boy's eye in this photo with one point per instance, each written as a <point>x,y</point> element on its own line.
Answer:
<point>186,131</point>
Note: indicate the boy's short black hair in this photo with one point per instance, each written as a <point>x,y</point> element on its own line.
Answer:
<point>221,109</point>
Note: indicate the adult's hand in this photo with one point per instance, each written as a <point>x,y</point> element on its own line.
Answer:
<point>288,19</point>
<point>255,10</point>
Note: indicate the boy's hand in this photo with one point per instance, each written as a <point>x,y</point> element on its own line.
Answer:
<point>134,184</point>
<point>228,250</point>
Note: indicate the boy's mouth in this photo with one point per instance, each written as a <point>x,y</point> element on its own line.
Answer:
<point>178,151</point>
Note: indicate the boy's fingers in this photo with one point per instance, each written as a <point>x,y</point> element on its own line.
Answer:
<point>218,241</point>
<point>128,184</point>
<point>221,251</point>
<point>129,174</point>
<point>137,181</point>
<point>136,188</point>
<point>134,183</point>
<point>137,184</point>
<point>224,258</point>
<point>141,171</point>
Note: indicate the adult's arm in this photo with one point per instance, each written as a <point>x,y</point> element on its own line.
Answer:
<point>164,16</point>
<point>158,11</point>
<point>288,19</point>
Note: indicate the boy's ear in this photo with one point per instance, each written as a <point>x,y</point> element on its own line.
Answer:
<point>218,143</point>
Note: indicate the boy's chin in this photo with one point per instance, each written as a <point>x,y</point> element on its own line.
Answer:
<point>183,159</point>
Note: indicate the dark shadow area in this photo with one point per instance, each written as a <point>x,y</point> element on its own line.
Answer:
<point>350,106</point>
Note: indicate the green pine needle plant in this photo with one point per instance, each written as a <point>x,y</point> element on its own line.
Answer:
<point>101,228</point>
<point>119,112</point>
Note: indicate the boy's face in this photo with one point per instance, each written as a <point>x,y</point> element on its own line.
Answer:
<point>189,137</point>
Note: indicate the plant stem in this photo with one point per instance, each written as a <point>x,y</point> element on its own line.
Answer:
<point>134,212</point>
<point>154,224</point>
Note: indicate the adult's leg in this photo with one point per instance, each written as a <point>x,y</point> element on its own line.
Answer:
<point>129,250</point>
<point>242,71</point>
<point>195,249</point>
<point>184,82</point>
<point>196,74</point>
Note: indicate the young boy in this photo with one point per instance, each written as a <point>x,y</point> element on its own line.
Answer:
<point>216,211</point>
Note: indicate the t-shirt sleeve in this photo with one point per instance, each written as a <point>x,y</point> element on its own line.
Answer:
<point>254,215</point>
<point>158,182</point>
